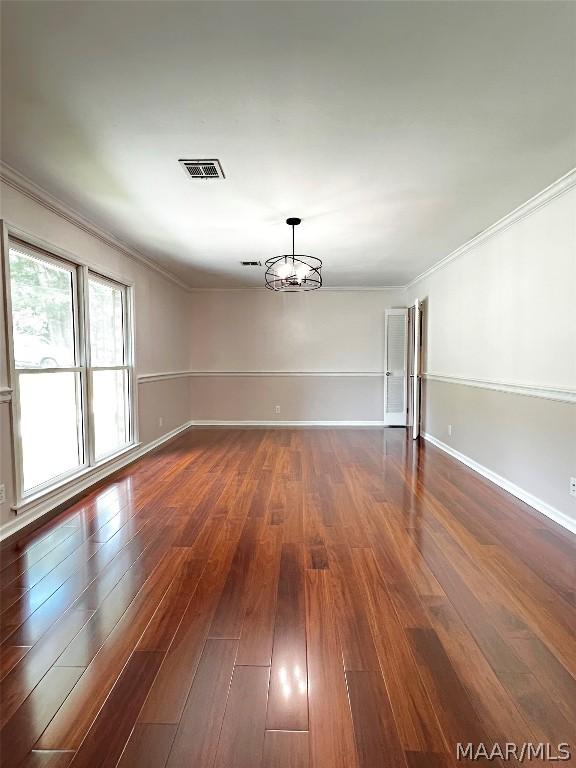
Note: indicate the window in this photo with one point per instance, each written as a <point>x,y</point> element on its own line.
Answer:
<point>72,367</point>
<point>108,365</point>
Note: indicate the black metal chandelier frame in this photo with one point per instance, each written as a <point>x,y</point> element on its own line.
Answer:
<point>288,279</point>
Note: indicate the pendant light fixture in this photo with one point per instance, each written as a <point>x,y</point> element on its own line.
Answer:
<point>295,272</point>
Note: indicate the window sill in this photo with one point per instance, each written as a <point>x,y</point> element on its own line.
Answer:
<point>86,473</point>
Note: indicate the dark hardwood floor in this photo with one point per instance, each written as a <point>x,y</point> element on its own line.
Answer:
<point>288,599</point>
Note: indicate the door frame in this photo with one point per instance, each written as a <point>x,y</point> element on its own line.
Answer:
<point>416,375</point>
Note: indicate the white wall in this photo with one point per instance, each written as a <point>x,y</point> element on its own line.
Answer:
<point>506,309</point>
<point>161,321</point>
<point>504,312</point>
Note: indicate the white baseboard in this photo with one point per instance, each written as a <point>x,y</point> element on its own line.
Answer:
<point>540,506</point>
<point>44,506</point>
<point>279,423</point>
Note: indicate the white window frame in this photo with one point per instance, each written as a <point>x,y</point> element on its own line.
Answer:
<point>127,365</point>
<point>83,270</point>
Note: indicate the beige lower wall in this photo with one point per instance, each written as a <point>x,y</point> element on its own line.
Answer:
<point>168,400</point>
<point>530,441</point>
<point>301,398</point>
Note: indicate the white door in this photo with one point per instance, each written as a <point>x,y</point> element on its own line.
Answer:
<point>416,372</point>
<point>395,335</point>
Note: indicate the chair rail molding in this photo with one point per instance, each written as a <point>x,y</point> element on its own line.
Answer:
<point>302,423</point>
<point>5,394</point>
<point>144,378</point>
<point>560,394</point>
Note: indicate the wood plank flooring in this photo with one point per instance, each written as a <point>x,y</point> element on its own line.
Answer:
<point>287,599</point>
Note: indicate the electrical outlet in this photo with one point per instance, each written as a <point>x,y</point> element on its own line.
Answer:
<point>450,429</point>
<point>161,421</point>
<point>276,409</point>
<point>573,486</point>
<point>2,493</point>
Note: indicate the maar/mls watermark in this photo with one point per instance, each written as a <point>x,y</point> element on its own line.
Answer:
<point>525,752</point>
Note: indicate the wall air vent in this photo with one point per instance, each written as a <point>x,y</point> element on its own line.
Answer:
<point>251,263</point>
<point>203,169</point>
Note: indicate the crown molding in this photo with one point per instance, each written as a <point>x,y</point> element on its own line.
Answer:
<point>325,289</point>
<point>26,186</point>
<point>557,188</point>
<point>560,394</point>
<point>375,288</point>
<point>21,183</point>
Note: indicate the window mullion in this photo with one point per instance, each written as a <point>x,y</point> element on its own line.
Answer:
<point>77,320</point>
<point>129,360</point>
<point>85,357</point>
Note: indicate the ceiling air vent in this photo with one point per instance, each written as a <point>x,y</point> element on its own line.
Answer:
<point>203,169</point>
<point>251,263</point>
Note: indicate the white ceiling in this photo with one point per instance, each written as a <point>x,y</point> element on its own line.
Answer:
<point>396,131</point>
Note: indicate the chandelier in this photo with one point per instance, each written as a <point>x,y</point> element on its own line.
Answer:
<point>295,272</point>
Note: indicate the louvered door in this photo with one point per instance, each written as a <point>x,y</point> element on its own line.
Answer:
<point>395,334</point>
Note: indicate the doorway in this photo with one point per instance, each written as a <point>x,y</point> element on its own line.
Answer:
<point>402,361</point>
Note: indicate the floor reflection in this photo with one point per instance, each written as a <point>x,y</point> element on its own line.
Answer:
<point>292,682</point>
